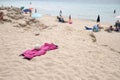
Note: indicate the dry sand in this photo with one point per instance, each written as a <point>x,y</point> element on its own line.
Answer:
<point>82,55</point>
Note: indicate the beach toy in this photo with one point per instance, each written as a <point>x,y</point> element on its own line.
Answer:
<point>36,15</point>
<point>38,51</point>
<point>37,47</point>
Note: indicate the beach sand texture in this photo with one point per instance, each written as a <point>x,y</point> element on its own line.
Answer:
<point>82,55</point>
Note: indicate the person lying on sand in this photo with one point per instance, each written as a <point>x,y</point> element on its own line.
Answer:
<point>110,29</point>
<point>88,28</point>
<point>95,28</point>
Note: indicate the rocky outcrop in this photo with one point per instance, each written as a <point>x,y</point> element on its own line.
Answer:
<point>14,15</point>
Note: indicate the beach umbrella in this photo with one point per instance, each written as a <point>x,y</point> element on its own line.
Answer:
<point>98,18</point>
<point>36,15</point>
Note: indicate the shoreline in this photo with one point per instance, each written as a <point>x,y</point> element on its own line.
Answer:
<point>75,16</point>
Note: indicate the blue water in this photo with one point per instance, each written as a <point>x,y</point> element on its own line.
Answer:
<point>77,9</point>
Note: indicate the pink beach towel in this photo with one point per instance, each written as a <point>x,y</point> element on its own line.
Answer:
<point>29,54</point>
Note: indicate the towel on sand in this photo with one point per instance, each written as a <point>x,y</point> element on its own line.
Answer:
<point>29,54</point>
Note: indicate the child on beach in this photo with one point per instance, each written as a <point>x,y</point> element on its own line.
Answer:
<point>70,21</point>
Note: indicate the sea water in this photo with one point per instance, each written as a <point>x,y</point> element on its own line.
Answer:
<point>77,9</point>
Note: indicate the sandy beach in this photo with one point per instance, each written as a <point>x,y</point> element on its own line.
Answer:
<point>82,54</point>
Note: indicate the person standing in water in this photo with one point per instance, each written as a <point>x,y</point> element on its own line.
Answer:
<point>114,11</point>
<point>60,13</point>
<point>30,3</point>
<point>35,10</point>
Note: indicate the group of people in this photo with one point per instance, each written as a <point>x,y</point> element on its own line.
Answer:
<point>97,27</point>
<point>28,10</point>
<point>61,19</point>
<point>115,28</point>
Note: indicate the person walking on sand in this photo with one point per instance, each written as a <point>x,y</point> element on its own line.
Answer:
<point>98,19</point>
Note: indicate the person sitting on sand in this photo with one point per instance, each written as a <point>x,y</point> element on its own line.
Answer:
<point>117,29</point>
<point>110,29</point>
<point>60,19</point>
<point>1,15</point>
<point>117,25</point>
